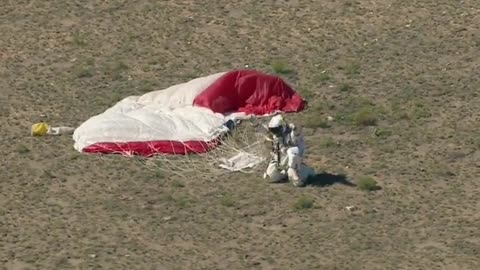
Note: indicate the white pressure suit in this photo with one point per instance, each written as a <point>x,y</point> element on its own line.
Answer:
<point>287,154</point>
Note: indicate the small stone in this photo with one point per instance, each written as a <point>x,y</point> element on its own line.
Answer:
<point>92,255</point>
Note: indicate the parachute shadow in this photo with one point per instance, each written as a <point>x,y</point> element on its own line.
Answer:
<point>327,179</point>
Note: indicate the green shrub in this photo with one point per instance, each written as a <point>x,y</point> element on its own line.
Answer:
<point>367,183</point>
<point>303,202</point>
<point>84,72</point>
<point>383,132</point>
<point>324,76</point>
<point>421,111</point>
<point>314,121</point>
<point>365,117</point>
<point>182,201</point>
<point>280,67</point>
<point>345,87</point>
<point>227,201</point>
<point>178,184</point>
<point>352,68</point>
<point>22,149</point>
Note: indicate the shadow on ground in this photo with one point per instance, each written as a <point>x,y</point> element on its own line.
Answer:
<point>328,179</point>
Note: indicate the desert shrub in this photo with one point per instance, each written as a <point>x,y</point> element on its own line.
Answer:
<point>323,77</point>
<point>365,117</point>
<point>345,87</point>
<point>178,184</point>
<point>227,201</point>
<point>22,149</point>
<point>303,202</point>
<point>313,121</point>
<point>352,68</point>
<point>367,183</point>
<point>280,67</point>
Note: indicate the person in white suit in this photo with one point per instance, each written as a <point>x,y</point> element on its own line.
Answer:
<point>288,149</point>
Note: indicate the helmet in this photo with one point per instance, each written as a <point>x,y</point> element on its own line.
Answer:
<point>276,121</point>
<point>276,125</point>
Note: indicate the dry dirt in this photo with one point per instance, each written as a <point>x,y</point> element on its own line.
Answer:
<point>409,67</point>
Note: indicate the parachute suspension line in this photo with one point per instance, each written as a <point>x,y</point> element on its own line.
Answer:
<point>205,164</point>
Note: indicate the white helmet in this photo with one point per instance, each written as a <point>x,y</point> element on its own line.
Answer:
<point>276,124</point>
<point>276,121</point>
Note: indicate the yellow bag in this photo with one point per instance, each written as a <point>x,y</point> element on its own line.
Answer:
<point>40,129</point>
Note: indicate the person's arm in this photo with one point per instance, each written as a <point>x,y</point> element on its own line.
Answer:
<point>295,134</point>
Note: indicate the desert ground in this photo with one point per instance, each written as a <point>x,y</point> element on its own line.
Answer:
<point>398,81</point>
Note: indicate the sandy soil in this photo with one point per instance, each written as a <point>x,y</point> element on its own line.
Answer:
<point>410,67</point>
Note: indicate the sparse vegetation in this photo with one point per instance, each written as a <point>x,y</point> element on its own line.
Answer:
<point>227,200</point>
<point>178,184</point>
<point>327,142</point>
<point>22,149</point>
<point>280,67</point>
<point>120,66</point>
<point>147,85</point>
<point>474,141</point>
<point>307,94</point>
<point>84,72</point>
<point>314,121</point>
<point>345,87</point>
<point>159,174</point>
<point>421,111</point>
<point>118,69</point>
<point>383,132</point>
<point>360,111</point>
<point>352,68</point>
<point>304,202</point>
<point>367,183</point>
<point>182,201</point>
<point>47,174</point>
<point>90,61</point>
<point>324,76</point>
<point>398,112</point>
<point>365,117</point>
<point>80,40</point>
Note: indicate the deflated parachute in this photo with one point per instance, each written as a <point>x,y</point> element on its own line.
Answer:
<point>185,118</point>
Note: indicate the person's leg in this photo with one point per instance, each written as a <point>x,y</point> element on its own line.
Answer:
<point>274,173</point>
<point>295,167</point>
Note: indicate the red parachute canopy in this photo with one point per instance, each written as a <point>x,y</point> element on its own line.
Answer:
<point>251,92</point>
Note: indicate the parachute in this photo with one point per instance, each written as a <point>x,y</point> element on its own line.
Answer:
<point>188,118</point>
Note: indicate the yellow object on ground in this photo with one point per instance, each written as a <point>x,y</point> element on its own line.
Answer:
<point>40,129</point>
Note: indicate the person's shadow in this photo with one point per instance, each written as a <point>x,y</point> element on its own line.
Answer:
<point>326,179</point>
